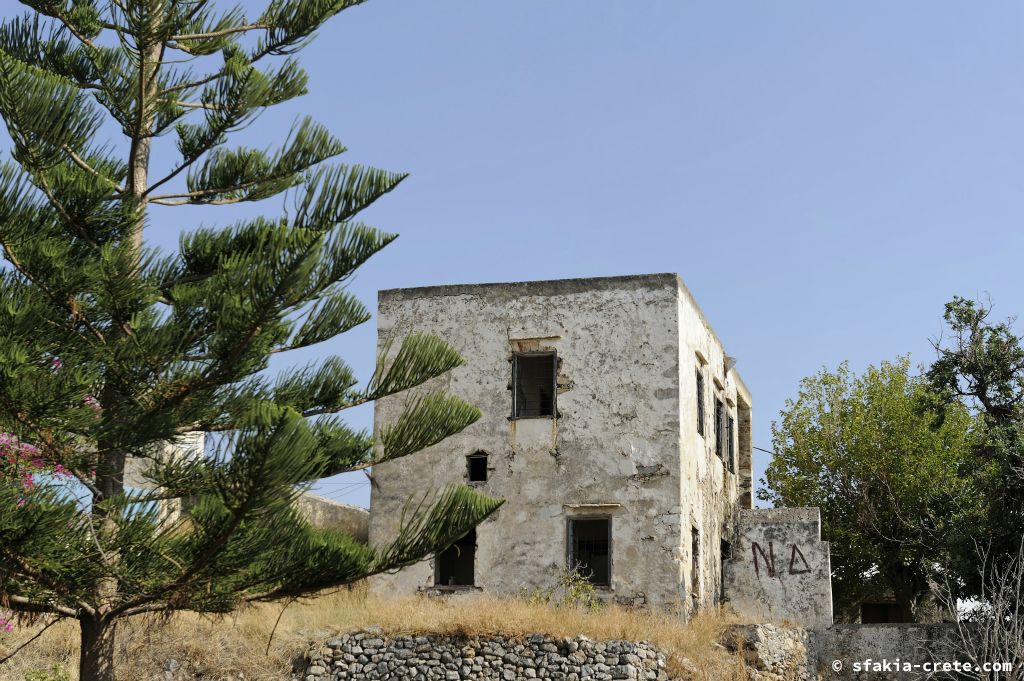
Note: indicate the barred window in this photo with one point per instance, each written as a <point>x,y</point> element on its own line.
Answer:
<point>534,383</point>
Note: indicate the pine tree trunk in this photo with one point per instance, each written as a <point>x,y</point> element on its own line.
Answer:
<point>96,660</point>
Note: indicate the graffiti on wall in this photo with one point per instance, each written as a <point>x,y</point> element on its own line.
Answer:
<point>797,562</point>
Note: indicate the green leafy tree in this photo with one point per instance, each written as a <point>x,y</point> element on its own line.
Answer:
<point>980,367</point>
<point>885,473</point>
<point>110,349</point>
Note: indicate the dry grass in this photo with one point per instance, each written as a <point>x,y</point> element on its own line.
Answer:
<point>225,647</point>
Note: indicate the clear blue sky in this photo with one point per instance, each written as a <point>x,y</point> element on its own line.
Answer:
<point>823,175</point>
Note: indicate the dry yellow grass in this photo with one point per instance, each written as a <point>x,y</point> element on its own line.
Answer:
<point>230,646</point>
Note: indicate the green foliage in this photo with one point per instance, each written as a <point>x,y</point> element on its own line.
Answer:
<point>886,472</point>
<point>110,350</point>
<point>571,590</point>
<point>980,367</point>
<point>54,673</point>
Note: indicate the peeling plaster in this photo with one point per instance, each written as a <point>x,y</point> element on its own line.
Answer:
<point>625,431</point>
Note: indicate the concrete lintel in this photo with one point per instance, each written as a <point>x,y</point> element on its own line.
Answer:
<point>592,508</point>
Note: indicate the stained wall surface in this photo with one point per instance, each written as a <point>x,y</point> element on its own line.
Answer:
<point>780,570</point>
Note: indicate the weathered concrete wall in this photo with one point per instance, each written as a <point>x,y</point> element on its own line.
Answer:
<point>334,515</point>
<point>709,491</point>
<point>624,443</point>
<point>870,644</point>
<point>846,652</point>
<point>369,655</point>
<point>187,446</point>
<point>781,570</point>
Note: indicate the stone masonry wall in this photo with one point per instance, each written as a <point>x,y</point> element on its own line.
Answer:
<point>371,655</point>
<point>774,653</point>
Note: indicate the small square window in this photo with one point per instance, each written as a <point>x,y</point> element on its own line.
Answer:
<point>476,466</point>
<point>534,384</point>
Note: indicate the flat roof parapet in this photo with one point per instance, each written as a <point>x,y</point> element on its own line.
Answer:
<point>545,287</point>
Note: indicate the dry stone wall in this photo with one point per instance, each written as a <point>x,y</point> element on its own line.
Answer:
<point>774,653</point>
<point>371,655</point>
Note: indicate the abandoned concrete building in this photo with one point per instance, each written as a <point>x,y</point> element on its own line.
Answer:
<point>614,425</point>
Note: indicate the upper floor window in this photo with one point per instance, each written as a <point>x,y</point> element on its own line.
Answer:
<point>700,402</point>
<point>719,427</point>
<point>731,434</point>
<point>534,384</point>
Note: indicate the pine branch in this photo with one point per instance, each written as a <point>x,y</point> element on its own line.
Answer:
<point>80,162</point>
<point>53,10</point>
<point>42,579</point>
<point>219,34</point>
<point>22,604</point>
<point>65,307</point>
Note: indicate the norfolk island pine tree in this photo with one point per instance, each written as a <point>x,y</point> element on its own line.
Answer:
<point>110,349</point>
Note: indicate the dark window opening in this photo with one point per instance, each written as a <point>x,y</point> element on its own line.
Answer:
<point>534,383</point>
<point>731,433</point>
<point>880,613</point>
<point>455,565</point>
<point>725,555</point>
<point>700,402</point>
<point>719,423</point>
<point>695,564</point>
<point>590,541</point>
<point>476,465</point>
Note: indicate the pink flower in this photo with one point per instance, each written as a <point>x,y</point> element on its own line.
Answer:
<point>21,462</point>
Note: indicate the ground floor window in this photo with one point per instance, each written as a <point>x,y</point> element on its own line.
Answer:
<point>455,565</point>
<point>590,549</point>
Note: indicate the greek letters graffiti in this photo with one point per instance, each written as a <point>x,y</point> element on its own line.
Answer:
<point>794,554</point>
<point>769,558</point>
<point>797,562</point>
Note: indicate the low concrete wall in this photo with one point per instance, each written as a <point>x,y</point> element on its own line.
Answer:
<point>902,644</point>
<point>334,515</point>
<point>370,655</point>
<point>844,652</point>
<point>780,569</point>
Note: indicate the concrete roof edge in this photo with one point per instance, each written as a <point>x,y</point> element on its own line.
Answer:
<point>316,498</point>
<point>539,287</point>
